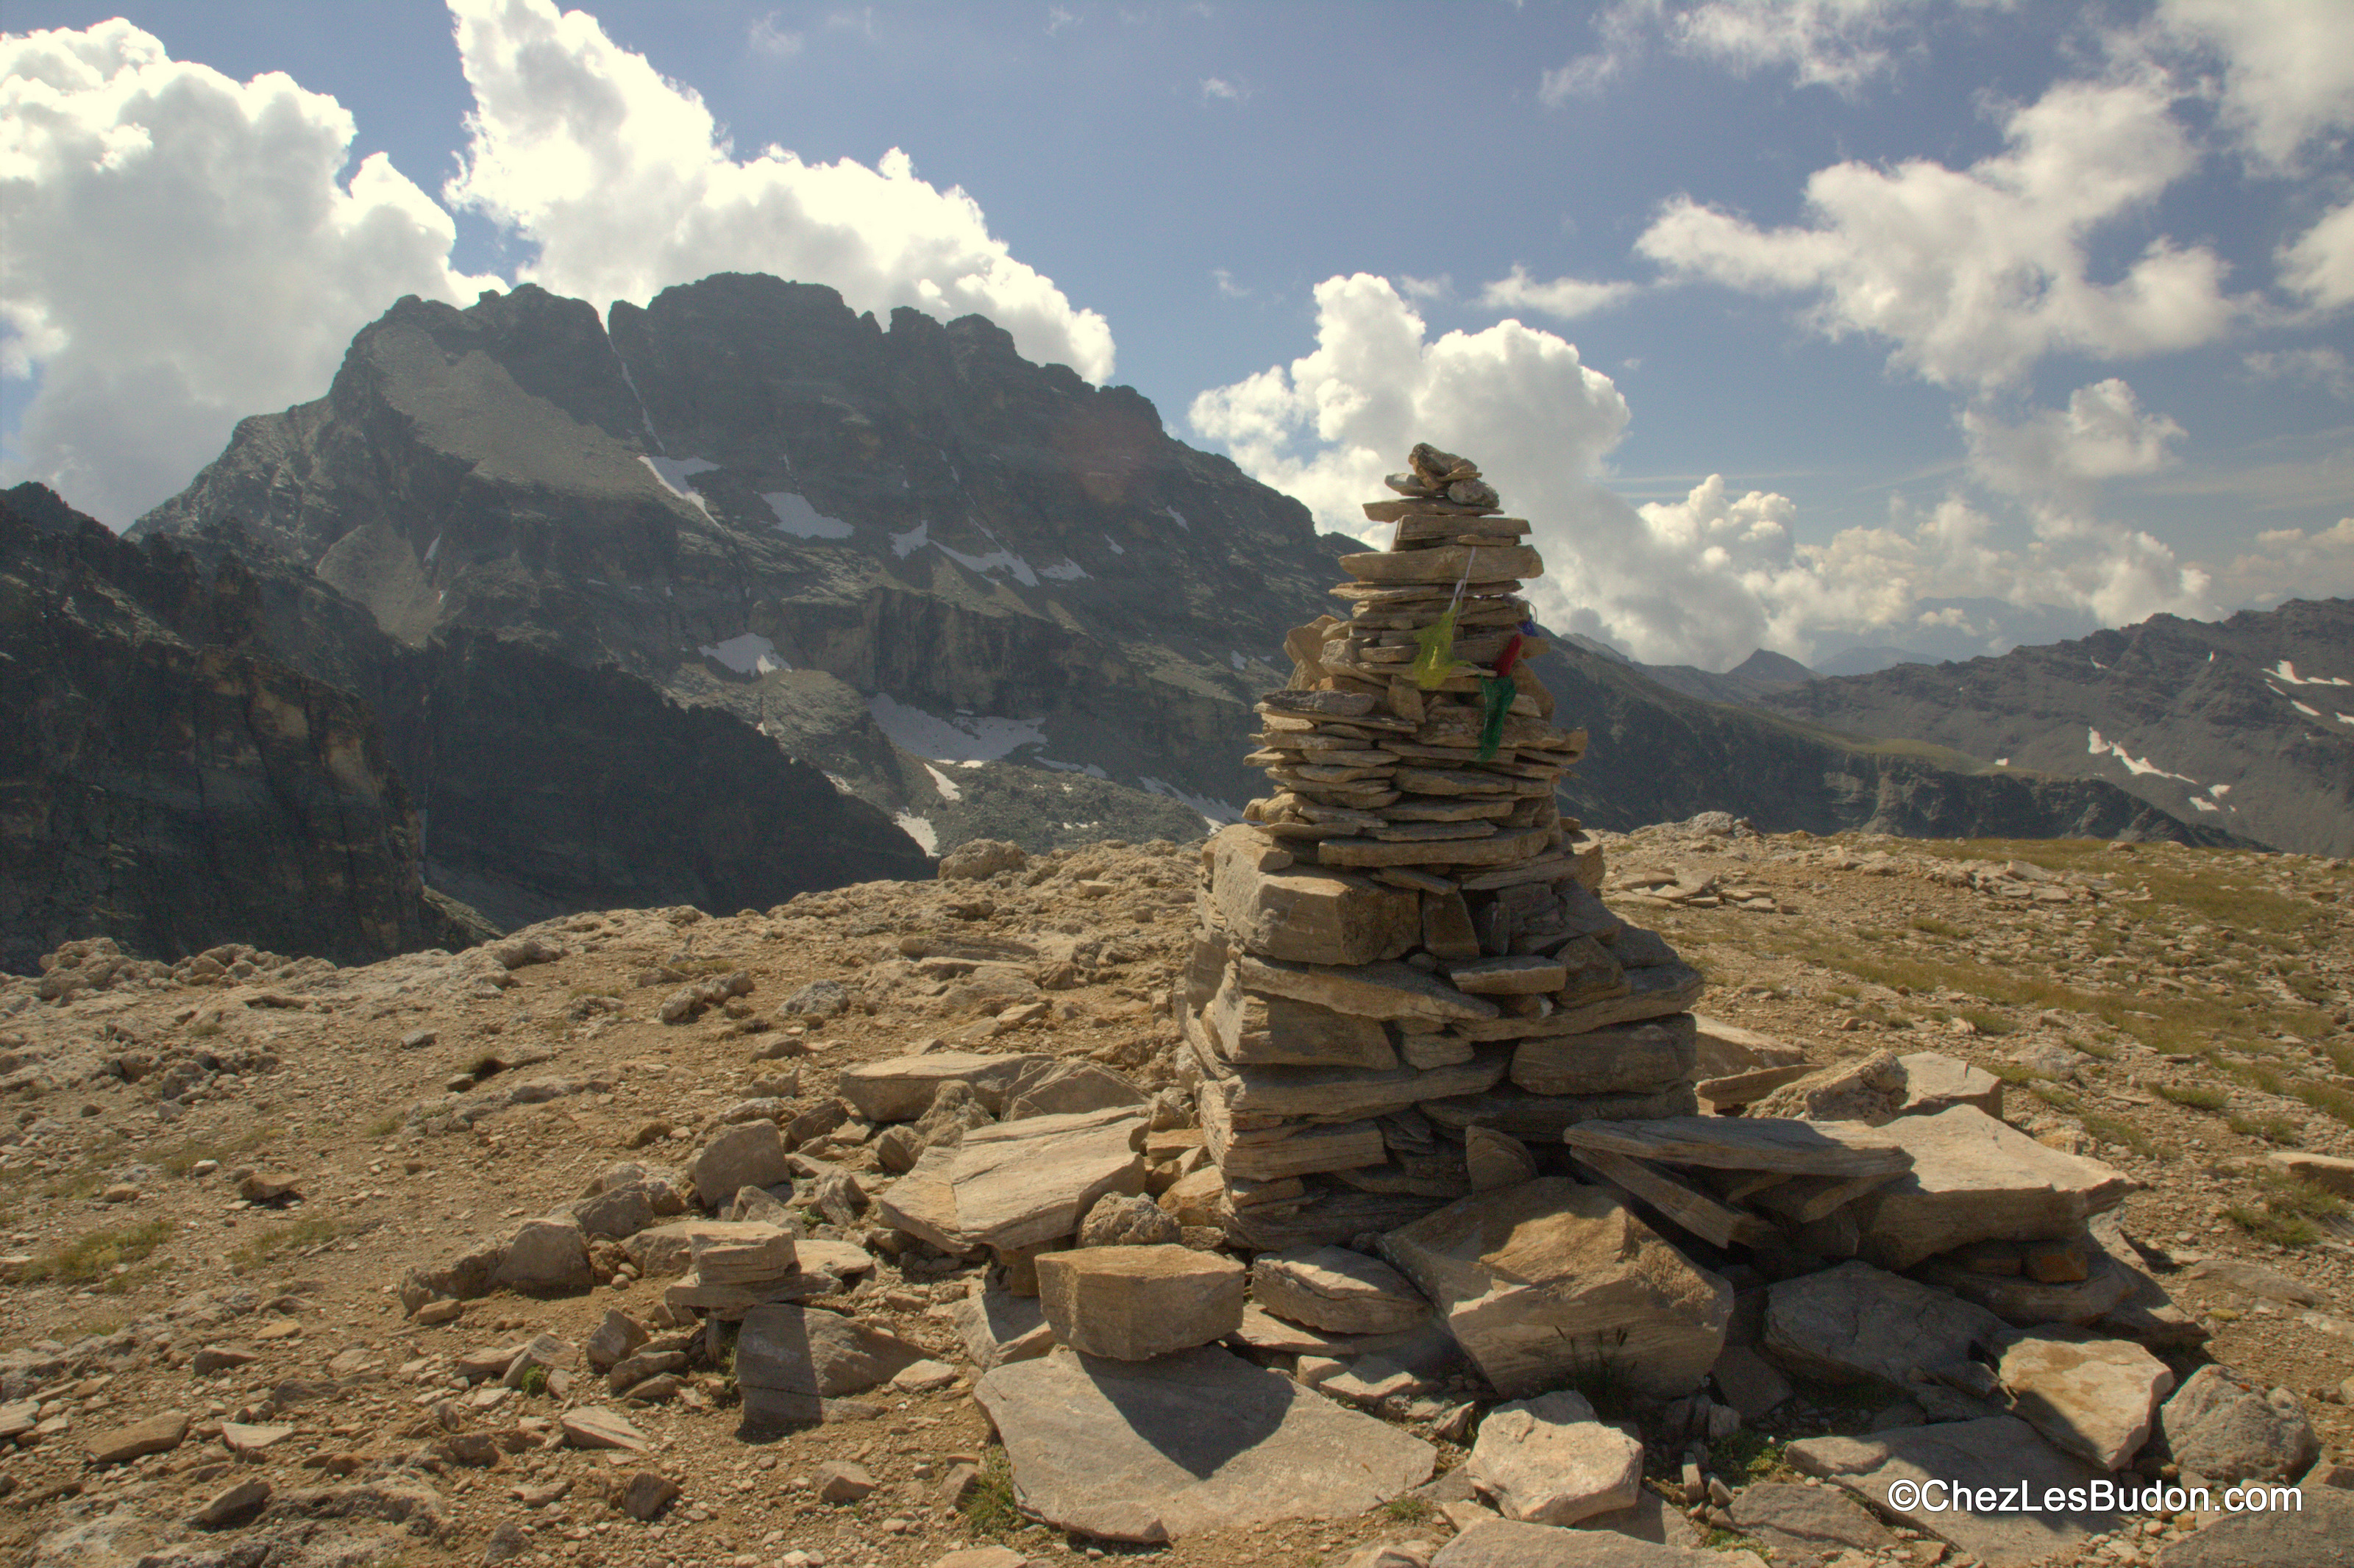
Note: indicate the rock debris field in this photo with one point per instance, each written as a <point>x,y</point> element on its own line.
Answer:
<point>1285,1198</point>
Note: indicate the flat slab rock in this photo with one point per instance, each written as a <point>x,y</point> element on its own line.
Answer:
<point>1975,1178</point>
<point>1995,1452</point>
<point>2094,1398</point>
<point>2318,1535</point>
<point>901,1089</point>
<point>1197,1441</point>
<point>1802,1523</point>
<point>1338,1290</point>
<point>1018,1183</point>
<point>1506,1543</point>
<point>1856,1322</point>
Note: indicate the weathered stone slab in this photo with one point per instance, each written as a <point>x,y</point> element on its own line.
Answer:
<point>1727,1048</point>
<point>1936,1082</point>
<point>1548,1461</point>
<point>1806,1524</point>
<point>1493,1159</point>
<point>1250,1030</point>
<point>745,1252</point>
<point>788,1360</point>
<point>1018,1183</point>
<point>998,1325</point>
<point>1855,1322</point>
<point>2220,1426</point>
<point>1338,1290</point>
<point>1310,1148</point>
<point>1620,1059</point>
<point>1373,990</point>
<point>1541,1282</point>
<point>1750,1143</point>
<point>2093,1398</point>
<point>2026,1302</point>
<point>1328,1217</point>
<point>1306,914</point>
<point>901,1087</point>
<point>2330,1170</point>
<point>1057,1087</point>
<point>748,1154</point>
<point>1508,976</point>
<point>1336,1093</point>
<point>1992,1455</point>
<point>155,1435</point>
<point>544,1256</point>
<point>1651,992</point>
<point>1975,1179</point>
<point>1444,564</point>
<point>1545,1118</point>
<point>2320,1534</point>
<point>1133,1303</point>
<point>1199,1441</point>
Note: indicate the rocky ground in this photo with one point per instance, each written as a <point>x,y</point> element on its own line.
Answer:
<point>2183,1015</point>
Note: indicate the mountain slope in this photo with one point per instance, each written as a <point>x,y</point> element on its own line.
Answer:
<point>2247,724</point>
<point>979,593</point>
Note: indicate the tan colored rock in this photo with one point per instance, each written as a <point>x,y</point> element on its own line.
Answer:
<point>1975,1179</point>
<point>593,1426</point>
<point>748,1154</point>
<point>1133,1303</point>
<point>2329,1170</point>
<point>1727,1048</point>
<point>1444,564</point>
<point>1148,1451</point>
<point>1936,1082</point>
<point>790,1361</point>
<point>1856,1322</point>
<point>1548,1461</point>
<point>1493,1159</point>
<point>1540,1283</point>
<point>901,1089</point>
<point>1337,1290</point>
<point>998,1325</point>
<point>1372,990</point>
<point>1272,1031</point>
<point>1509,976</point>
<point>742,1253</point>
<point>1018,1183</point>
<point>1308,915</point>
<point>2094,1398</point>
<point>1622,1058</point>
<point>155,1435</point>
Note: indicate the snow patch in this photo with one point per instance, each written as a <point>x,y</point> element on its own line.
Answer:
<point>2309,712</point>
<point>946,785</point>
<point>2135,765</point>
<point>906,545</point>
<point>2003,762</point>
<point>1240,663</point>
<point>1066,570</point>
<point>919,829</point>
<point>1115,545</point>
<point>748,654</point>
<point>2218,791</point>
<point>1177,517</point>
<point>673,474</point>
<point>963,739</point>
<point>433,549</point>
<point>999,559</point>
<point>2204,805</point>
<point>2287,671</point>
<point>796,516</point>
<point>1212,811</point>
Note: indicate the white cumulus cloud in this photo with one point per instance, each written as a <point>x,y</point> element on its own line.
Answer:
<point>1566,298</point>
<point>2103,433</point>
<point>1973,274</point>
<point>626,185</point>
<point>2290,563</point>
<point>1704,579</point>
<point>2288,67</point>
<point>183,250</point>
<point>2320,263</point>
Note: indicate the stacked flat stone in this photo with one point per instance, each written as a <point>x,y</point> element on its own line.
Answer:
<point>1403,942</point>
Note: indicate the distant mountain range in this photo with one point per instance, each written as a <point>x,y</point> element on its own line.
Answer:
<point>981,595</point>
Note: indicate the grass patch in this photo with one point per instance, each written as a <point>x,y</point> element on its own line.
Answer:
<point>1719,1539</point>
<point>1602,1377</point>
<point>184,1157</point>
<point>95,1254</point>
<point>2194,1096</point>
<point>1991,1022</point>
<point>2056,1097</point>
<point>1930,925</point>
<point>384,1126</point>
<point>1407,1510</point>
<point>296,1235</point>
<point>1747,1455</point>
<point>2287,1212</point>
<point>2123,1134</point>
<point>2328,1099</point>
<point>989,1509</point>
<point>2270,1128</point>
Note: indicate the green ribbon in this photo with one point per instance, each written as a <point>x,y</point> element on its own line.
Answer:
<point>1495,701</point>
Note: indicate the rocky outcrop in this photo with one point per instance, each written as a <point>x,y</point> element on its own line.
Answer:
<point>175,795</point>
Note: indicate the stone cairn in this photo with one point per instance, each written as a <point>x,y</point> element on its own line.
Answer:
<point>1402,976</point>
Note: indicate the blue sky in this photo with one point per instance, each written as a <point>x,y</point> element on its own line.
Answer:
<point>1995,321</point>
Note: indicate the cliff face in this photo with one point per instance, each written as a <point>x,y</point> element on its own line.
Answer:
<point>175,795</point>
<point>985,597</point>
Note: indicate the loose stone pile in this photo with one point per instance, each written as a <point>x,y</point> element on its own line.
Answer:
<point>1403,973</point>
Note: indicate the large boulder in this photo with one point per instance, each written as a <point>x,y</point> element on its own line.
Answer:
<point>1549,1281</point>
<point>2093,1398</point>
<point>1975,1178</point>
<point>1306,914</point>
<point>901,1089</point>
<point>748,1154</point>
<point>790,1361</point>
<point>545,1255</point>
